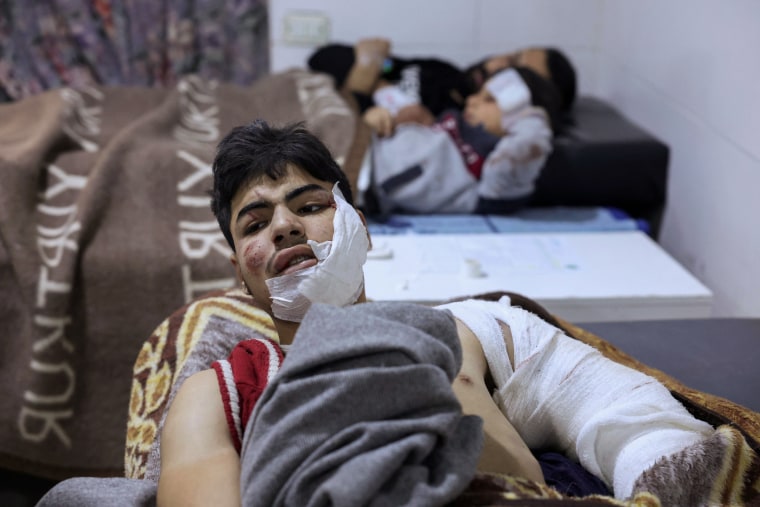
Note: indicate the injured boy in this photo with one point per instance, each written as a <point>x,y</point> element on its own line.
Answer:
<point>299,246</point>
<point>483,159</point>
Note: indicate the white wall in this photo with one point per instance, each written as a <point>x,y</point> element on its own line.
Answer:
<point>648,57</point>
<point>461,31</point>
<point>689,70</point>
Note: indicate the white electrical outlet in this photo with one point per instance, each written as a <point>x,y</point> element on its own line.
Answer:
<point>306,28</point>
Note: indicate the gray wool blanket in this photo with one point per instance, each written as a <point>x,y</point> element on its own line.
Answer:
<point>362,413</point>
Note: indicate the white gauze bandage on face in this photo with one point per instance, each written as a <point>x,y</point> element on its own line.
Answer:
<point>338,277</point>
<point>511,93</point>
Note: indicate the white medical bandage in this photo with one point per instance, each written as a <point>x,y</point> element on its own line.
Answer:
<point>509,90</point>
<point>512,95</point>
<point>564,394</point>
<point>393,98</point>
<point>337,278</point>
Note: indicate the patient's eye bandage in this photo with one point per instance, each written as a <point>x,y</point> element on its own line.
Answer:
<point>337,278</point>
<point>509,90</point>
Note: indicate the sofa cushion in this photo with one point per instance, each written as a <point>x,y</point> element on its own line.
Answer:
<point>601,158</point>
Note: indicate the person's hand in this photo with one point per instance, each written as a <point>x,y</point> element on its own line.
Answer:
<point>372,51</point>
<point>369,55</point>
<point>380,120</point>
<point>416,113</point>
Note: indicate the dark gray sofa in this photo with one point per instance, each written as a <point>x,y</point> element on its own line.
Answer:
<point>602,158</point>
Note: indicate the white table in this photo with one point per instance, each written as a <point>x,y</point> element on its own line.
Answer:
<point>581,277</point>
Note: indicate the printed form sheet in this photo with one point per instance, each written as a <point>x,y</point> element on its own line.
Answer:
<point>584,276</point>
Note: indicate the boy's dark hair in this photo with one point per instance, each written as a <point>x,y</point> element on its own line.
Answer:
<point>256,150</point>
<point>543,94</point>
<point>563,76</point>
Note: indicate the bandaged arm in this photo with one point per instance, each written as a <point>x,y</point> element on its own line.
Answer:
<point>511,169</point>
<point>504,451</point>
<point>561,393</point>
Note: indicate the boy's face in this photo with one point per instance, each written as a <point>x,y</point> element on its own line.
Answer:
<point>270,223</point>
<point>481,108</point>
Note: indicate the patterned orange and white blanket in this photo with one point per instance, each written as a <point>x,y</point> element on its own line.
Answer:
<point>208,328</point>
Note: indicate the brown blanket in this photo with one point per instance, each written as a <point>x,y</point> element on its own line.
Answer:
<point>105,229</point>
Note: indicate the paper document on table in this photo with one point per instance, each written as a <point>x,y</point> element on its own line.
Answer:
<point>497,255</point>
<point>437,267</point>
<point>581,276</point>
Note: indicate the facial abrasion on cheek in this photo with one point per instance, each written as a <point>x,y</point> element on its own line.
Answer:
<point>337,278</point>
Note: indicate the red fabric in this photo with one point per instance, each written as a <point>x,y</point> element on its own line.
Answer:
<point>226,401</point>
<point>250,361</point>
<point>253,362</point>
<point>472,159</point>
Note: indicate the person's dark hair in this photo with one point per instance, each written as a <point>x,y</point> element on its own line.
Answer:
<point>543,94</point>
<point>333,59</point>
<point>562,75</point>
<point>257,150</point>
<point>476,75</point>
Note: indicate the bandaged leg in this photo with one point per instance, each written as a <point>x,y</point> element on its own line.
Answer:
<point>564,394</point>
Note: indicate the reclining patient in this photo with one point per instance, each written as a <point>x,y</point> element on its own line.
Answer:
<point>483,159</point>
<point>299,247</point>
<point>438,84</point>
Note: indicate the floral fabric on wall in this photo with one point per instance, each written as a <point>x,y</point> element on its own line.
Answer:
<point>46,44</point>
